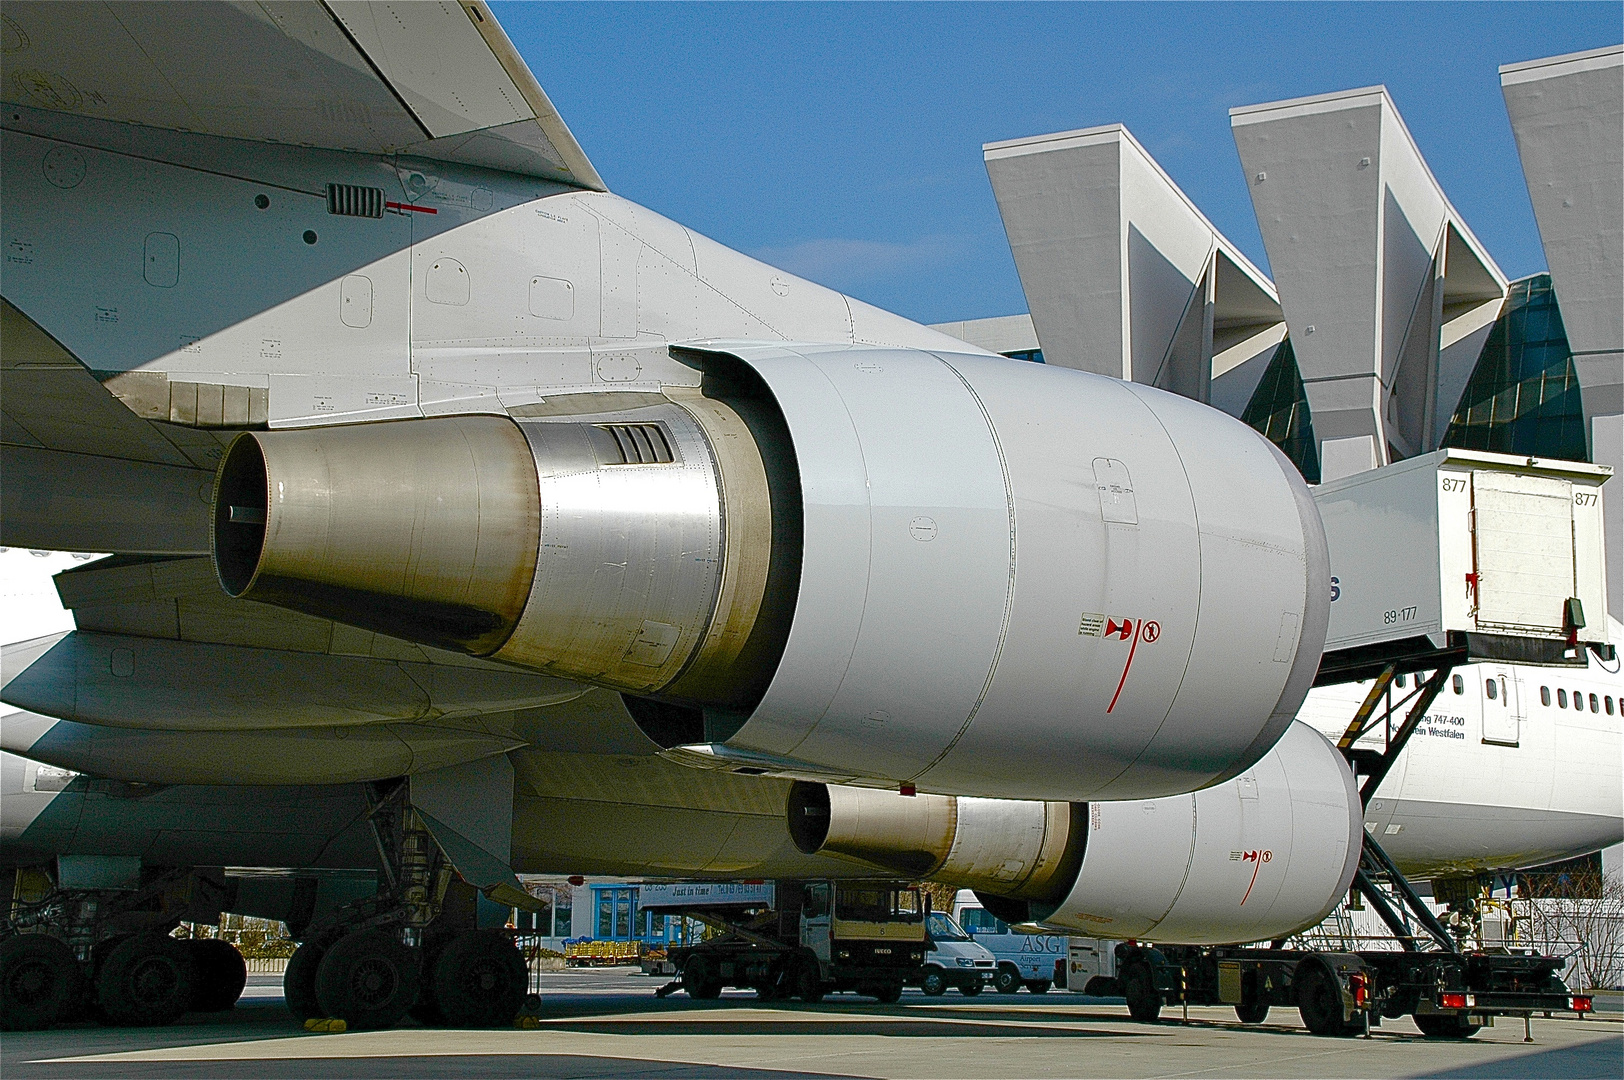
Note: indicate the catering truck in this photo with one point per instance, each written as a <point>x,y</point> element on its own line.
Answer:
<point>801,939</point>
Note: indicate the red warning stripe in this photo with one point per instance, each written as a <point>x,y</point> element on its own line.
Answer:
<point>409,206</point>
<point>1134,645</point>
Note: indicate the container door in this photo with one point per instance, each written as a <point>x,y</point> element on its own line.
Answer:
<point>1502,712</point>
<point>1523,550</point>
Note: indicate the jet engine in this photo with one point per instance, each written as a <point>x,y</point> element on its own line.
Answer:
<point>958,572</point>
<point>1258,857</point>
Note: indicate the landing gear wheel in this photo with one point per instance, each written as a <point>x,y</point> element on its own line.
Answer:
<point>1255,1013</point>
<point>1039,986</point>
<point>1451,1026</point>
<point>888,994</point>
<point>40,982</point>
<point>146,981</point>
<point>1007,981</point>
<point>1139,988</point>
<point>1319,1000</point>
<point>368,979</point>
<point>808,980</point>
<point>299,977</point>
<point>221,974</point>
<point>480,980</point>
<point>933,984</point>
<point>971,989</point>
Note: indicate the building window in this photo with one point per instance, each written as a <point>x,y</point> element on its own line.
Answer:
<point>1460,685</point>
<point>1523,396</point>
<point>563,913</point>
<point>1545,695</point>
<point>1034,355</point>
<point>1561,698</point>
<point>1279,412</point>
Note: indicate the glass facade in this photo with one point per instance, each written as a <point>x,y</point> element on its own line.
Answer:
<point>1279,412</point>
<point>1034,355</point>
<point>1523,396</point>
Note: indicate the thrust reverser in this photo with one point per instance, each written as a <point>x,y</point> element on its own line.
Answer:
<point>974,575</point>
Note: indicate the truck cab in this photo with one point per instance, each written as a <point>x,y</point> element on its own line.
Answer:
<point>952,958</point>
<point>1020,959</point>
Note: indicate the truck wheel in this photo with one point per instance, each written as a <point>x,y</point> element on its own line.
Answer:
<point>1008,980</point>
<point>221,974</point>
<point>808,981</point>
<point>369,980</point>
<point>696,979</point>
<point>1255,1013</point>
<point>1319,1000</point>
<point>1435,1026</point>
<point>40,982</point>
<point>1139,987</point>
<point>934,984</point>
<point>971,989</point>
<point>888,993</point>
<point>479,980</point>
<point>146,982</point>
<point>1102,986</point>
<point>1039,986</point>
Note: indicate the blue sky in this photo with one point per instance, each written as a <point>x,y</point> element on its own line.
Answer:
<point>843,141</point>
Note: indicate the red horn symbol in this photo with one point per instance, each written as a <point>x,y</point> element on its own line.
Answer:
<point>1123,629</point>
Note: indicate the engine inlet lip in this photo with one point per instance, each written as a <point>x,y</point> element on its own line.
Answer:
<point>809,817</point>
<point>241,509</point>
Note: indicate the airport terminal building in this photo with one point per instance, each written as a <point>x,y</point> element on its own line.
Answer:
<point>1388,330</point>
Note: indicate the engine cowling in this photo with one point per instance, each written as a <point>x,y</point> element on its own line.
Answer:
<point>1260,856</point>
<point>959,572</point>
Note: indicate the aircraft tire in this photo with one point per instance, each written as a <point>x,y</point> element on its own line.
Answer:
<point>369,980</point>
<point>1139,988</point>
<point>479,980</point>
<point>221,974</point>
<point>146,981</point>
<point>40,982</point>
<point>299,977</point>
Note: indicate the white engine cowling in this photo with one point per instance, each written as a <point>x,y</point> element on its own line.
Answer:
<point>1260,856</point>
<point>964,573</point>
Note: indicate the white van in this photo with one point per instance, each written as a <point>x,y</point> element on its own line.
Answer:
<point>1028,960</point>
<point>952,958</point>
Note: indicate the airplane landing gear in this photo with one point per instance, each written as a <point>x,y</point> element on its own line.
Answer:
<point>147,980</point>
<point>479,980</point>
<point>40,982</point>
<point>221,974</point>
<point>369,979</point>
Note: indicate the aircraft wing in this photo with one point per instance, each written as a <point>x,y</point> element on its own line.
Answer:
<point>433,80</point>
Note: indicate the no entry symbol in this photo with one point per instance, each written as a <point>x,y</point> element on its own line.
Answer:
<point>1151,630</point>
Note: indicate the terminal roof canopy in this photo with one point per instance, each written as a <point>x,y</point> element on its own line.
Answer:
<point>1387,293</point>
<point>1123,274</point>
<point>433,80</point>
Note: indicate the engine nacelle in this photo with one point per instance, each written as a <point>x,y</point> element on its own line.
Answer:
<point>1257,857</point>
<point>968,574</point>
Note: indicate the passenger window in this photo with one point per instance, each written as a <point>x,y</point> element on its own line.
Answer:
<point>1579,700</point>
<point>1545,695</point>
<point>1399,682</point>
<point>1459,684</point>
<point>1491,689</point>
<point>1561,698</point>
<point>1594,704</point>
<point>1609,700</point>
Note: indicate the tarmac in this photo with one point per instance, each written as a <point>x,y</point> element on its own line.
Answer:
<point>607,1023</point>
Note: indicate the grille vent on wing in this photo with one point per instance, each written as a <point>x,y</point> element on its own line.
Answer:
<point>353,200</point>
